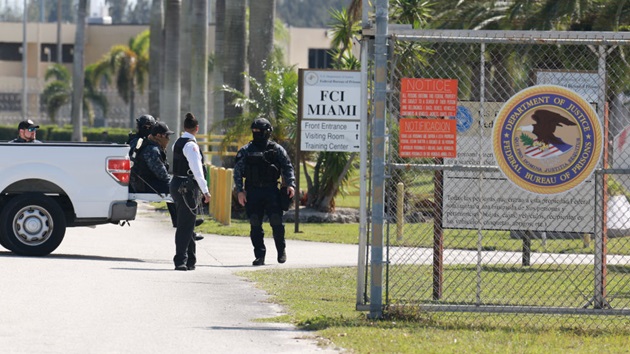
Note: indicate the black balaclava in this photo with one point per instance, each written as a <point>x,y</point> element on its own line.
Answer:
<point>260,138</point>
<point>144,125</point>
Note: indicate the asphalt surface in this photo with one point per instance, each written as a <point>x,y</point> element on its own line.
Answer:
<point>112,289</point>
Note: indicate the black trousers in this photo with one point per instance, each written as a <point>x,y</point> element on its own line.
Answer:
<point>185,203</point>
<point>261,202</point>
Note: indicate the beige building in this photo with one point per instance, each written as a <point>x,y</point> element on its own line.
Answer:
<point>307,47</point>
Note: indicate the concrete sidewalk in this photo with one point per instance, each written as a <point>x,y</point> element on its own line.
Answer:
<point>112,289</point>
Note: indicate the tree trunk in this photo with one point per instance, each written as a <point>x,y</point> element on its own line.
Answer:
<point>261,18</point>
<point>218,109</point>
<point>327,201</point>
<point>155,53</point>
<point>78,73</point>
<point>170,109</point>
<point>132,103</point>
<point>234,64</point>
<point>199,64</point>
<point>185,43</point>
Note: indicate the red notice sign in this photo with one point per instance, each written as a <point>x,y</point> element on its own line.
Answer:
<point>428,138</point>
<point>428,97</point>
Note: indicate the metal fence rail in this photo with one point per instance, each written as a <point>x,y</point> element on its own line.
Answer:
<point>468,239</point>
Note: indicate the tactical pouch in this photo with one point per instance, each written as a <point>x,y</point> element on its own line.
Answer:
<point>285,201</point>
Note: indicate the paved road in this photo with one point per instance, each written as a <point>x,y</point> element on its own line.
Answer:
<point>113,289</point>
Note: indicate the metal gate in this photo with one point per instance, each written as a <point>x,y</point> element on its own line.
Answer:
<point>458,235</point>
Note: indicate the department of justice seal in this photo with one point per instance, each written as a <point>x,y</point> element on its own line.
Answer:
<point>547,139</point>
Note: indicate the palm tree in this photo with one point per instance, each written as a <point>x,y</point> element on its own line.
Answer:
<point>77,71</point>
<point>155,56</point>
<point>186,44</point>
<point>199,63</point>
<point>275,98</point>
<point>129,65</point>
<point>219,58</point>
<point>171,98</point>
<point>58,92</point>
<point>342,29</point>
<point>234,49</point>
<point>261,32</point>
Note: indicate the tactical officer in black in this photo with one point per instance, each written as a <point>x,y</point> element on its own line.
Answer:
<point>149,173</point>
<point>144,124</point>
<point>187,184</point>
<point>262,162</point>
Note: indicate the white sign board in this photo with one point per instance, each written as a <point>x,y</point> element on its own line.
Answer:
<point>341,136</point>
<point>330,111</point>
<point>583,83</point>
<point>503,205</point>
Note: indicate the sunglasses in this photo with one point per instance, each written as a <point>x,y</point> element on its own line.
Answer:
<point>32,129</point>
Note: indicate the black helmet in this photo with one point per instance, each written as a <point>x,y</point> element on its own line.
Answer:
<point>262,124</point>
<point>145,120</point>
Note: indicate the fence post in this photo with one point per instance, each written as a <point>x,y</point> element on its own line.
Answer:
<point>378,159</point>
<point>527,248</point>
<point>400,212</point>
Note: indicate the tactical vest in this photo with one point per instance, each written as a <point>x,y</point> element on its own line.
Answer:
<point>262,168</point>
<point>180,163</point>
<point>141,166</point>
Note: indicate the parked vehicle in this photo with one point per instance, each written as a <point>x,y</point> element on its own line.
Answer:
<point>45,188</point>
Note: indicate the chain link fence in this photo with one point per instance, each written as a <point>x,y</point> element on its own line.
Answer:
<point>117,110</point>
<point>464,237</point>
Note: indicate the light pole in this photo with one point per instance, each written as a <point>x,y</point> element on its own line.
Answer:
<point>24,63</point>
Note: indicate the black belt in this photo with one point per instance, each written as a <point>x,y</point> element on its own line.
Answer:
<point>260,185</point>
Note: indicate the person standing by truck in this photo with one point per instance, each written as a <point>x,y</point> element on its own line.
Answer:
<point>187,183</point>
<point>149,171</point>
<point>27,132</point>
<point>144,124</point>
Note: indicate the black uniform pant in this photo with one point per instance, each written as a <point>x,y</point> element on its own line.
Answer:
<point>263,201</point>
<point>185,204</point>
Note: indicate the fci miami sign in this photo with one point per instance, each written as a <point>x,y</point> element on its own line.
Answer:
<point>547,139</point>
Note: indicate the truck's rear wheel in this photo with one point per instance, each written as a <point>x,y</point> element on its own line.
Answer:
<point>32,225</point>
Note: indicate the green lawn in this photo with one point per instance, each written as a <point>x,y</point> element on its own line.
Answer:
<point>419,235</point>
<point>324,300</point>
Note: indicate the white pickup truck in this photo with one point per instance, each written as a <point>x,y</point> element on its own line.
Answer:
<point>45,188</point>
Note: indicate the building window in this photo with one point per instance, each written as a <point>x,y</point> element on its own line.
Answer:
<point>319,59</point>
<point>49,53</point>
<point>10,51</point>
<point>10,102</point>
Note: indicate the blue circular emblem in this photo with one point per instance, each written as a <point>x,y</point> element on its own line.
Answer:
<point>464,119</point>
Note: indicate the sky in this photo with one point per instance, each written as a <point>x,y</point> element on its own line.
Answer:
<point>96,6</point>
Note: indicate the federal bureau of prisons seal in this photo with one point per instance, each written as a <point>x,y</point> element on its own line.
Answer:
<point>547,139</point>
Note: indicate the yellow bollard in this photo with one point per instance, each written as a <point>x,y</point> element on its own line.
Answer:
<point>229,176</point>
<point>221,194</point>
<point>400,212</point>
<point>213,191</point>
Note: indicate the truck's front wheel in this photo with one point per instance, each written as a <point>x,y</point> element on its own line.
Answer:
<point>32,225</point>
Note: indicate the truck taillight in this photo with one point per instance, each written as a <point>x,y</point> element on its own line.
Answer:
<point>119,168</point>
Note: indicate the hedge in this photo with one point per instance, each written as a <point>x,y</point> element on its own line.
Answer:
<point>50,133</point>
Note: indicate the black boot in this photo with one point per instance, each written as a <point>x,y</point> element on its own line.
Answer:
<point>282,256</point>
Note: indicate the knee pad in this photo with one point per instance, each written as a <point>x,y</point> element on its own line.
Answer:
<point>255,221</point>
<point>275,219</point>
